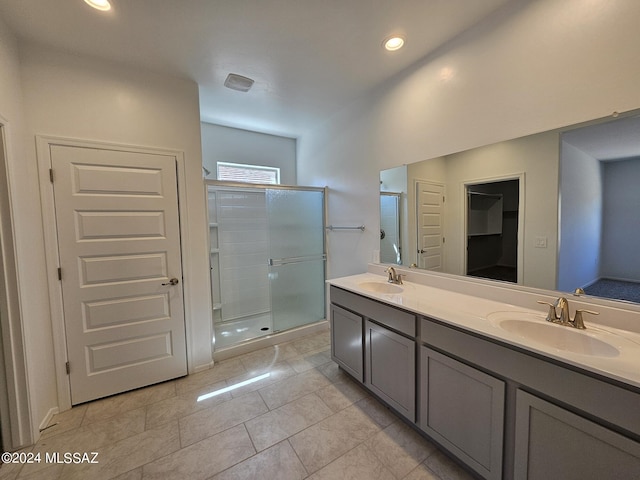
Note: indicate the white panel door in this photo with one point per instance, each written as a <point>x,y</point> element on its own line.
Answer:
<point>430,213</point>
<point>119,246</point>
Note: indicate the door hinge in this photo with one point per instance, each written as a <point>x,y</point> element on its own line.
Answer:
<point>51,174</point>
<point>442,239</point>
<point>442,196</point>
<point>59,273</point>
<point>67,367</point>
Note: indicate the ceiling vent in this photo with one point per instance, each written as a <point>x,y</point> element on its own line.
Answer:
<point>238,82</point>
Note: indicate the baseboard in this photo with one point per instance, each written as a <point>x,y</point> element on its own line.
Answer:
<point>202,368</point>
<point>47,418</point>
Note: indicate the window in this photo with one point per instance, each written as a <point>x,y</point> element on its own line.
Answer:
<point>237,172</point>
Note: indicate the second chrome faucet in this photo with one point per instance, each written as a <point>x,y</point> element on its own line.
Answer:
<point>564,318</point>
<point>394,277</point>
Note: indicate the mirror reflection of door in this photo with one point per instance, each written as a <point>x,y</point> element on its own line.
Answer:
<point>430,223</point>
<point>390,246</point>
<point>492,230</point>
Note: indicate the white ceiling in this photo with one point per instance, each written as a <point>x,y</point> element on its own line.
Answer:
<point>309,58</point>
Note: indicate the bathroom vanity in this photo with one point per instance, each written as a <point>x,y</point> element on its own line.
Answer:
<point>499,388</point>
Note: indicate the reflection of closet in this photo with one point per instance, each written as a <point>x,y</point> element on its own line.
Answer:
<point>492,230</point>
<point>485,213</point>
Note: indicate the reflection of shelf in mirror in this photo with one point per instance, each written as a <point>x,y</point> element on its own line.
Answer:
<point>484,214</point>
<point>486,234</point>
<point>217,306</point>
<point>215,250</point>
<point>213,225</point>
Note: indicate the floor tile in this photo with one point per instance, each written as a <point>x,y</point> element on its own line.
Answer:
<point>340,395</point>
<point>421,472</point>
<point>65,421</point>
<point>203,459</point>
<point>400,448</point>
<point>359,463</point>
<point>276,373</point>
<point>218,373</point>
<point>185,404</point>
<point>206,423</point>
<point>313,342</point>
<point>307,417</point>
<point>117,404</point>
<point>267,357</point>
<point>445,468</point>
<point>278,462</point>
<point>376,411</point>
<point>135,474</point>
<point>322,443</point>
<point>9,471</point>
<point>279,424</point>
<point>311,360</point>
<point>294,387</point>
<point>334,373</point>
<point>128,454</point>
<point>47,472</point>
<point>89,438</point>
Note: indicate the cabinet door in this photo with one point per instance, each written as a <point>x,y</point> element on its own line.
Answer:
<point>463,409</point>
<point>552,442</point>
<point>346,341</point>
<point>390,368</point>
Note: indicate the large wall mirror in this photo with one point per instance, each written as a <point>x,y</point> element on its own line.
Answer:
<point>557,210</point>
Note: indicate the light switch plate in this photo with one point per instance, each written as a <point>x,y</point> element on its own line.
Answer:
<point>541,242</point>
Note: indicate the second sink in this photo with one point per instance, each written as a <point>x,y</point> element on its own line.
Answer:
<point>379,287</point>
<point>535,329</point>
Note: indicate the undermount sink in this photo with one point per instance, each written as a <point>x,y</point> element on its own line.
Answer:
<point>379,287</point>
<point>534,328</point>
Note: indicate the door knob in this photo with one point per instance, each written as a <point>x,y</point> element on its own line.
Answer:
<point>173,281</point>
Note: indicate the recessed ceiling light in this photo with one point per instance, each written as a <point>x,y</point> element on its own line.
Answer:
<point>393,43</point>
<point>102,5</point>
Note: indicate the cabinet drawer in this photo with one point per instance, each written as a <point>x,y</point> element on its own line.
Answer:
<point>401,321</point>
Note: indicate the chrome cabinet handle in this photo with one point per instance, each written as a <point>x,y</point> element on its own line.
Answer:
<point>173,281</point>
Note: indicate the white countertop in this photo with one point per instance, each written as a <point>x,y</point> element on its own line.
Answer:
<point>477,315</point>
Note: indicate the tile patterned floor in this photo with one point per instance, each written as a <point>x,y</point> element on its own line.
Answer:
<point>306,419</point>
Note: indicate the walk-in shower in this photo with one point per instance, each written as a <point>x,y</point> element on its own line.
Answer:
<point>267,259</point>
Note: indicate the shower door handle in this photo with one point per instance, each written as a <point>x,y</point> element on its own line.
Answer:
<point>276,262</point>
<point>173,281</point>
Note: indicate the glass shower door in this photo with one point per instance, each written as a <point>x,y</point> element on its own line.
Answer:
<point>297,256</point>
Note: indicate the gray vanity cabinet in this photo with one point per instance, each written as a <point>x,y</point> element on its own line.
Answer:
<point>462,408</point>
<point>346,341</point>
<point>390,368</point>
<point>552,442</point>
<point>501,410</point>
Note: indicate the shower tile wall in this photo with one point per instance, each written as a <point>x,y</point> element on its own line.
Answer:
<point>244,252</point>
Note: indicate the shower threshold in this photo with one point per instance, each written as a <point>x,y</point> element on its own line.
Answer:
<point>250,345</point>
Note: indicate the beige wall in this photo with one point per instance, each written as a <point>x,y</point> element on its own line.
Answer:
<point>81,98</point>
<point>227,144</point>
<point>32,288</point>
<point>535,156</point>
<point>532,69</point>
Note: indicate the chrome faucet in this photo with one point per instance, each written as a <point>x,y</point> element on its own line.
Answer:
<point>565,318</point>
<point>394,277</point>
<point>563,304</point>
